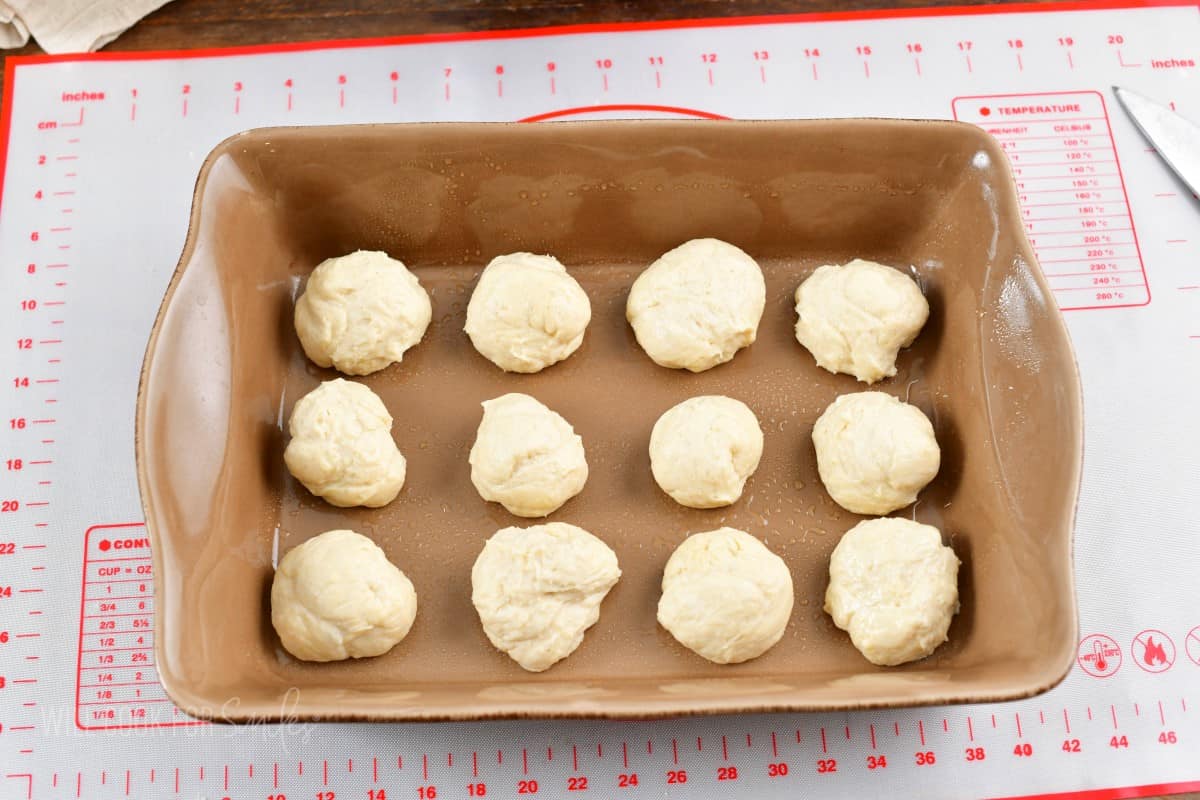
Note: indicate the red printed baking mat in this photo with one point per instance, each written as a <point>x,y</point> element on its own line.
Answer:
<point>99,157</point>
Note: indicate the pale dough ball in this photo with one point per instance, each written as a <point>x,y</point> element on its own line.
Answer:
<point>697,305</point>
<point>855,318</point>
<point>703,450</point>
<point>337,596</point>
<point>893,586</point>
<point>725,596</point>
<point>342,447</point>
<point>526,457</point>
<point>360,312</point>
<point>527,313</point>
<point>874,453</point>
<point>538,589</point>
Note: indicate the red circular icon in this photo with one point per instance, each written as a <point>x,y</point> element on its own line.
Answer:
<point>104,544</point>
<point>1153,650</point>
<point>1099,655</point>
<point>1191,645</point>
<point>984,111</point>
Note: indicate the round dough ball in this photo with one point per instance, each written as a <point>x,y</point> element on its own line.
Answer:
<point>337,596</point>
<point>342,447</point>
<point>527,313</point>
<point>703,450</point>
<point>360,312</point>
<point>697,305</point>
<point>893,586</point>
<point>538,589</point>
<point>874,453</point>
<point>526,457</point>
<point>725,596</point>
<point>855,318</point>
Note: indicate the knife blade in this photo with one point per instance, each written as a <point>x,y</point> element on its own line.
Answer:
<point>1175,138</point>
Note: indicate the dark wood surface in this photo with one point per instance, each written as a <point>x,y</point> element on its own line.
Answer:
<point>184,24</point>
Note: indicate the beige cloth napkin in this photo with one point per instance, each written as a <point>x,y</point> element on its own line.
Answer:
<point>69,26</point>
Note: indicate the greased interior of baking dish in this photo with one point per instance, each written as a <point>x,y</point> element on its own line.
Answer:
<point>992,369</point>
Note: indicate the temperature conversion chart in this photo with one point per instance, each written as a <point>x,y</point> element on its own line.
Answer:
<point>99,157</point>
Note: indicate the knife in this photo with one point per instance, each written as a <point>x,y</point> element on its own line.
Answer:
<point>1176,139</point>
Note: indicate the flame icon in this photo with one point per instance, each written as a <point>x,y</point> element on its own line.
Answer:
<point>1154,652</point>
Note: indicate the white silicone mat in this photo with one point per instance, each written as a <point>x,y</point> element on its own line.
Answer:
<point>101,154</point>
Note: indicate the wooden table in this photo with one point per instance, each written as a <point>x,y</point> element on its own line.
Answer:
<point>185,24</point>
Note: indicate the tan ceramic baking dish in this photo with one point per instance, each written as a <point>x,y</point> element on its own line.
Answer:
<point>993,369</point>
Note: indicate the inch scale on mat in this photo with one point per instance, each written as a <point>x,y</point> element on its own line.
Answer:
<point>996,71</point>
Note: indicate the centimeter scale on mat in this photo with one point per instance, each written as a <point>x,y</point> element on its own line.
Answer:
<point>76,636</point>
<point>644,761</point>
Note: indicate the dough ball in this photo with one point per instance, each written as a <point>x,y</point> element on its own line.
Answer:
<point>526,457</point>
<point>855,318</point>
<point>342,447</point>
<point>337,596</point>
<point>360,312</point>
<point>874,453</point>
<point>725,596</point>
<point>697,305</point>
<point>703,450</point>
<point>538,589</point>
<point>527,313</point>
<point>893,586</point>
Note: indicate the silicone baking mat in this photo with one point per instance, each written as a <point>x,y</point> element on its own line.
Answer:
<point>100,155</point>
